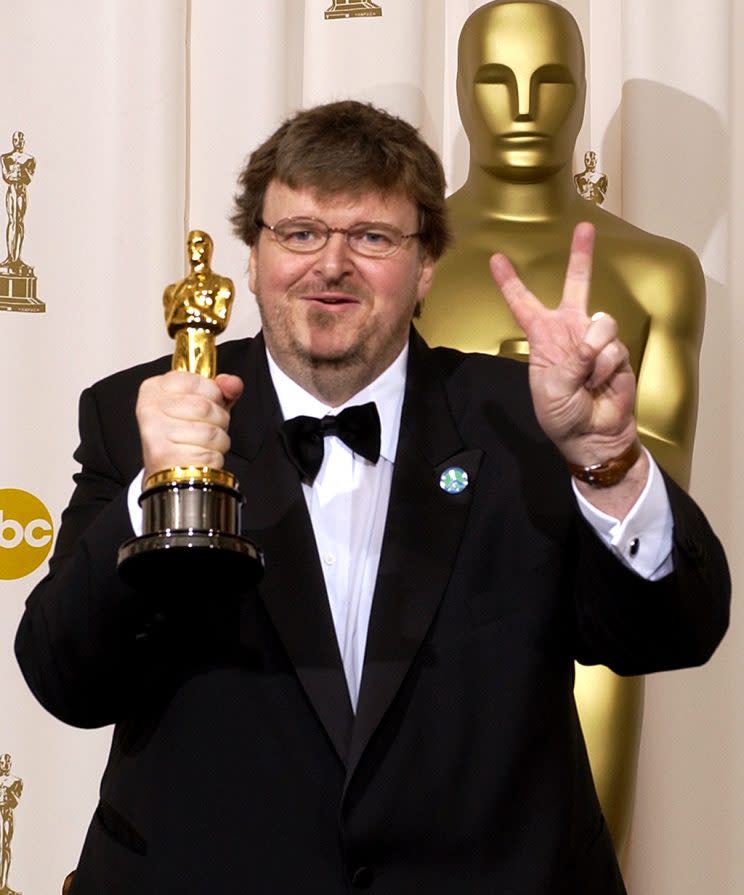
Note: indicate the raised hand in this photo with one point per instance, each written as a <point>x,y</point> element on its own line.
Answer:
<point>583,387</point>
<point>183,419</point>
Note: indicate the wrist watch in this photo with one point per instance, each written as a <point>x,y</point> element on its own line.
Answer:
<point>609,473</point>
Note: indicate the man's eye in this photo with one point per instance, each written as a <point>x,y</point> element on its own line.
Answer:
<point>299,235</point>
<point>373,238</point>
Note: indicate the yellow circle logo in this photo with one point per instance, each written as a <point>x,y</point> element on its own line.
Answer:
<point>26,533</point>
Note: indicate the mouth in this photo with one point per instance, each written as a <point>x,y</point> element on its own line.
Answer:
<point>524,139</point>
<point>331,299</point>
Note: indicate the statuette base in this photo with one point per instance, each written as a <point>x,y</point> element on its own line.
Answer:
<point>18,291</point>
<point>351,9</point>
<point>193,558</point>
<point>191,520</point>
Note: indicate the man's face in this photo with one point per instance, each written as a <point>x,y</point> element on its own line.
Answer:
<point>521,89</point>
<point>4,764</point>
<point>334,308</point>
<point>18,141</point>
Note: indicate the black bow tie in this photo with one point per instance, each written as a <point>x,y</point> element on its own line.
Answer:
<point>358,427</point>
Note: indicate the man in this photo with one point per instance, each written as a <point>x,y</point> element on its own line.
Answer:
<point>391,707</point>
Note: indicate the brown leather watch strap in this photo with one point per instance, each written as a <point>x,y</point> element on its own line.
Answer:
<point>605,475</point>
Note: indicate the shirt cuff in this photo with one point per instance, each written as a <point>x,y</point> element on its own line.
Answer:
<point>135,510</point>
<point>643,540</point>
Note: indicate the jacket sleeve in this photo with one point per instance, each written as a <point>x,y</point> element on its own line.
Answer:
<point>93,650</point>
<point>81,638</point>
<point>635,626</point>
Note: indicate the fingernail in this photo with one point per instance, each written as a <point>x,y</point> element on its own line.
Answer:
<point>598,315</point>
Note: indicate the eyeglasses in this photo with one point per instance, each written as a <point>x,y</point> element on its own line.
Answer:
<point>308,235</point>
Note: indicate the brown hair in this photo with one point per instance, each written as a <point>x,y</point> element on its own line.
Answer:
<point>347,147</point>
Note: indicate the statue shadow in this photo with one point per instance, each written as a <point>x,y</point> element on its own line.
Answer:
<point>676,182</point>
<point>675,154</point>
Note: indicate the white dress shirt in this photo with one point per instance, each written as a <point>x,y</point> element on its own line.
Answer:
<point>348,504</point>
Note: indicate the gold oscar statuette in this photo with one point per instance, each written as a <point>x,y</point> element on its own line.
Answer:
<point>191,515</point>
<point>11,789</point>
<point>17,279</point>
<point>590,183</point>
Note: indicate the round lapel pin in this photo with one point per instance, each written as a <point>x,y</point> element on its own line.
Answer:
<point>453,480</point>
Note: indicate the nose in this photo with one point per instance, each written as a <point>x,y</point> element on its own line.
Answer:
<point>334,260</point>
<point>523,98</point>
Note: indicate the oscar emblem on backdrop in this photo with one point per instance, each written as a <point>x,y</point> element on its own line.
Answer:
<point>191,515</point>
<point>17,279</point>
<point>521,87</point>
<point>590,183</point>
<point>11,789</point>
<point>351,9</point>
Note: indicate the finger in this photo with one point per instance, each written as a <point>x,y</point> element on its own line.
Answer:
<point>579,271</point>
<point>520,301</point>
<point>602,329</point>
<point>601,332</point>
<point>183,456</point>
<point>194,408</point>
<point>199,437</point>
<point>183,383</point>
<point>611,360</point>
<point>182,444</point>
<point>230,386</point>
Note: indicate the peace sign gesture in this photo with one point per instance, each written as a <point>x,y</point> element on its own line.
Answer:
<point>582,384</point>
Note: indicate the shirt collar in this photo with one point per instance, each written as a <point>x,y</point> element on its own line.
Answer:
<point>386,391</point>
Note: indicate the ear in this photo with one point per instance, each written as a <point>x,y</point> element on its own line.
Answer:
<point>426,273</point>
<point>252,272</point>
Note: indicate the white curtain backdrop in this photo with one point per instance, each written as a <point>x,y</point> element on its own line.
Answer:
<point>140,114</point>
<point>98,88</point>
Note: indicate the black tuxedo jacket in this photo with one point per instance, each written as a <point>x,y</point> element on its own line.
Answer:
<point>237,765</point>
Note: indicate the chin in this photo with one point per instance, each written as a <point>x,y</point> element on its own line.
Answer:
<point>331,356</point>
<point>523,171</point>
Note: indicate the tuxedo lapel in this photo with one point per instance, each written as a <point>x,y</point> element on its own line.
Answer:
<point>275,517</point>
<point>423,531</point>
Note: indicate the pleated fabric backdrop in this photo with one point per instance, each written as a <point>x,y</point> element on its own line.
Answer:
<point>138,116</point>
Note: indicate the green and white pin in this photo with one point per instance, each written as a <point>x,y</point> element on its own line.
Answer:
<point>453,480</point>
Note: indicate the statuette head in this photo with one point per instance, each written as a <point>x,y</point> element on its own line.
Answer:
<point>199,247</point>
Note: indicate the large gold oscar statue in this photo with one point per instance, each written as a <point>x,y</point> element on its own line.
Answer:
<point>521,90</point>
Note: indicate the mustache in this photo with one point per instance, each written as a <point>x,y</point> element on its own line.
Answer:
<point>338,286</point>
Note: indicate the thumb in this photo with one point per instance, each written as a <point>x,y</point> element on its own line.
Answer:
<point>231,387</point>
<point>581,364</point>
<point>598,338</point>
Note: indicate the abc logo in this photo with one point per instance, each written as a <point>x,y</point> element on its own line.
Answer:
<point>26,533</point>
